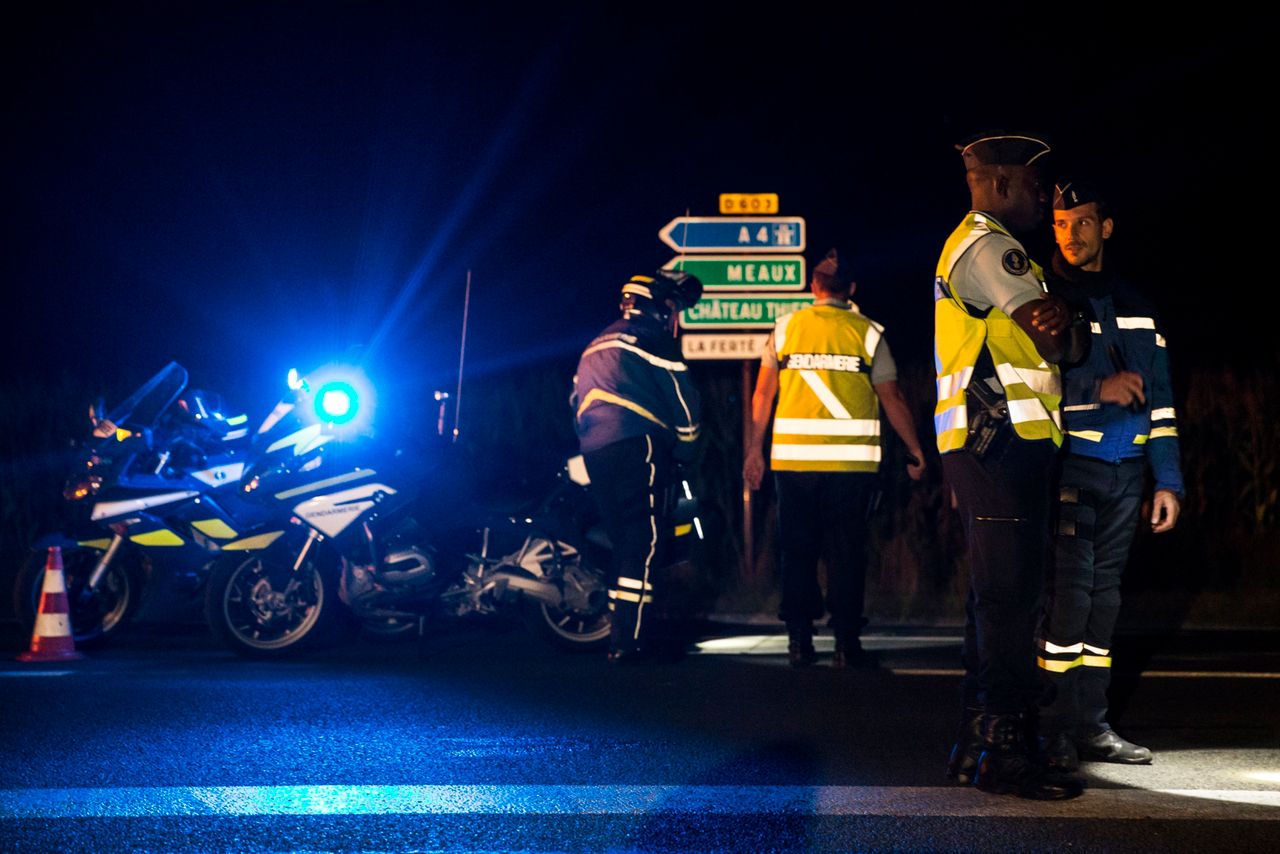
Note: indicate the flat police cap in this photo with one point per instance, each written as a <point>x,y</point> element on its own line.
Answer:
<point>837,266</point>
<point>1073,194</point>
<point>998,148</point>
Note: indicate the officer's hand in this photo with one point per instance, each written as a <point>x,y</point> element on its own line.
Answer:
<point>1051,314</point>
<point>1164,511</point>
<point>915,464</point>
<point>1123,388</point>
<point>753,469</point>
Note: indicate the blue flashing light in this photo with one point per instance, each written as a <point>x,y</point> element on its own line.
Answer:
<point>337,402</point>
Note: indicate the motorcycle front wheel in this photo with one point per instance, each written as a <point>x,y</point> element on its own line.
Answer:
<point>96,616</point>
<point>581,621</point>
<point>260,607</point>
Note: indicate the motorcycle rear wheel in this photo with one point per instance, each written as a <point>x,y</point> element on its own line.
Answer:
<point>260,607</point>
<point>95,617</point>
<point>582,621</point>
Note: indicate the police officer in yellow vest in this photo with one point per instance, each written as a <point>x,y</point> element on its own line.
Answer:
<point>830,369</point>
<point>998,337</point>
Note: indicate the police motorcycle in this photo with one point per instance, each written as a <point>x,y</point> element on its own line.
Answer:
<point>380,531</point>
<point>153,499</point>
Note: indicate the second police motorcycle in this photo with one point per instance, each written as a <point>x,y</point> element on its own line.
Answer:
<point>151,499</point>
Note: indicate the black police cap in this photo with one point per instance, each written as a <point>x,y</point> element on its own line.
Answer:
<point>1072,194</point>
<point>836,265</point>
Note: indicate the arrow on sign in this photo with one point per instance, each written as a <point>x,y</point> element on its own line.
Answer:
<point>734,234</point>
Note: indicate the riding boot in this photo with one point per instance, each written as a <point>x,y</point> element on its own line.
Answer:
<point>1006,766</point>
<point>1060,752</point>
<point>963,762</point>
<point>1105,745</point>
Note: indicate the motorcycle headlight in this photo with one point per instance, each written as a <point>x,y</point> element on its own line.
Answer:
<point>82,489</point>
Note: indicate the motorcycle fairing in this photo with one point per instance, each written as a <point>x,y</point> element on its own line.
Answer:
<point>111,509</point>
<point>146,529</point>
<point>220,475</point>
<point>303,441</point>
<point>215,528</point>
<point>358,474</point>
<point>253,542</point>
<point>331,514</point>
<point>158,537</point>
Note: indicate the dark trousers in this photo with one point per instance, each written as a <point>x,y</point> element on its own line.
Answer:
<point>629,481</point>
<point>1004,502</point>
<point>824,514</point>
<point>1097,515</point>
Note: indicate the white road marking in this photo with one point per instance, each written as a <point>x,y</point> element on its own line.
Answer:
<point>776,645</point>
<point>19,674</point>
<point>1208,674</point>
<point>1120,803</point>
<point>1146,674</point>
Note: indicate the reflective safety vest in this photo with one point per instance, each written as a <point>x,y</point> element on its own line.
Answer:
<point>828,415</point>
<point>1032,387</point>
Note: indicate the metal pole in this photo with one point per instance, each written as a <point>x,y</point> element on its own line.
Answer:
<point>748,544</point>
<point>462,355</point>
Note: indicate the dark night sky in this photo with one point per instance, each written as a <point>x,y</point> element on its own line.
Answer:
<point>246,187</point>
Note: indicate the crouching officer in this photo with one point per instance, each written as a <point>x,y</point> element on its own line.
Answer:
<point>637,418</point>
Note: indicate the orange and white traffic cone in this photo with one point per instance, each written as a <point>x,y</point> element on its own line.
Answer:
<point>51,639</point>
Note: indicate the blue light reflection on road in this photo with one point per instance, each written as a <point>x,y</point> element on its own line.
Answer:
<point>614,800</point>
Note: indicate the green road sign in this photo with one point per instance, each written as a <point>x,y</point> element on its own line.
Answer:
<point>744,272</point>
<point>741,311</point>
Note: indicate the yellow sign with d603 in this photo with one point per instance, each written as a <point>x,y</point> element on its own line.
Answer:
<point>748,203</point>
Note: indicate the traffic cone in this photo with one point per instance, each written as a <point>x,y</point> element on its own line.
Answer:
<point>51,639</point>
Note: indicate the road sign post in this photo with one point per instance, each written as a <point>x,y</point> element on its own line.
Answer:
<point>747,265</point>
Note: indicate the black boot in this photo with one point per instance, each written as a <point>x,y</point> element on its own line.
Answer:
<point>963,762</point>
<point>1059,752</point>
<point>800,651</point>
<point>1106,746</point>
<point>1007,767</point>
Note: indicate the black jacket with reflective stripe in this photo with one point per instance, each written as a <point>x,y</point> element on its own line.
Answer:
<point>632,381</point>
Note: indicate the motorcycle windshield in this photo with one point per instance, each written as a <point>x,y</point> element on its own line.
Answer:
<point>144,407</point>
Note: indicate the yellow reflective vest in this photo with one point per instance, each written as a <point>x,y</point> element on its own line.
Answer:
<point>828,415</point>
<point>1032,386</point>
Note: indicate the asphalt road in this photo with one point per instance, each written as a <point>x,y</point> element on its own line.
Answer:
<point>478,738</point>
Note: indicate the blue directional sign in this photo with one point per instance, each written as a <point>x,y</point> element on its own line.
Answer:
<point>734,234</point>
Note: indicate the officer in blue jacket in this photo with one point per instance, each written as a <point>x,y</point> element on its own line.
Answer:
<point>1118,415</point>
<point>637,417</point>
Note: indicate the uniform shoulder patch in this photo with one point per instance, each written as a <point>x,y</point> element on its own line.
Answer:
<point>1015,262</point>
